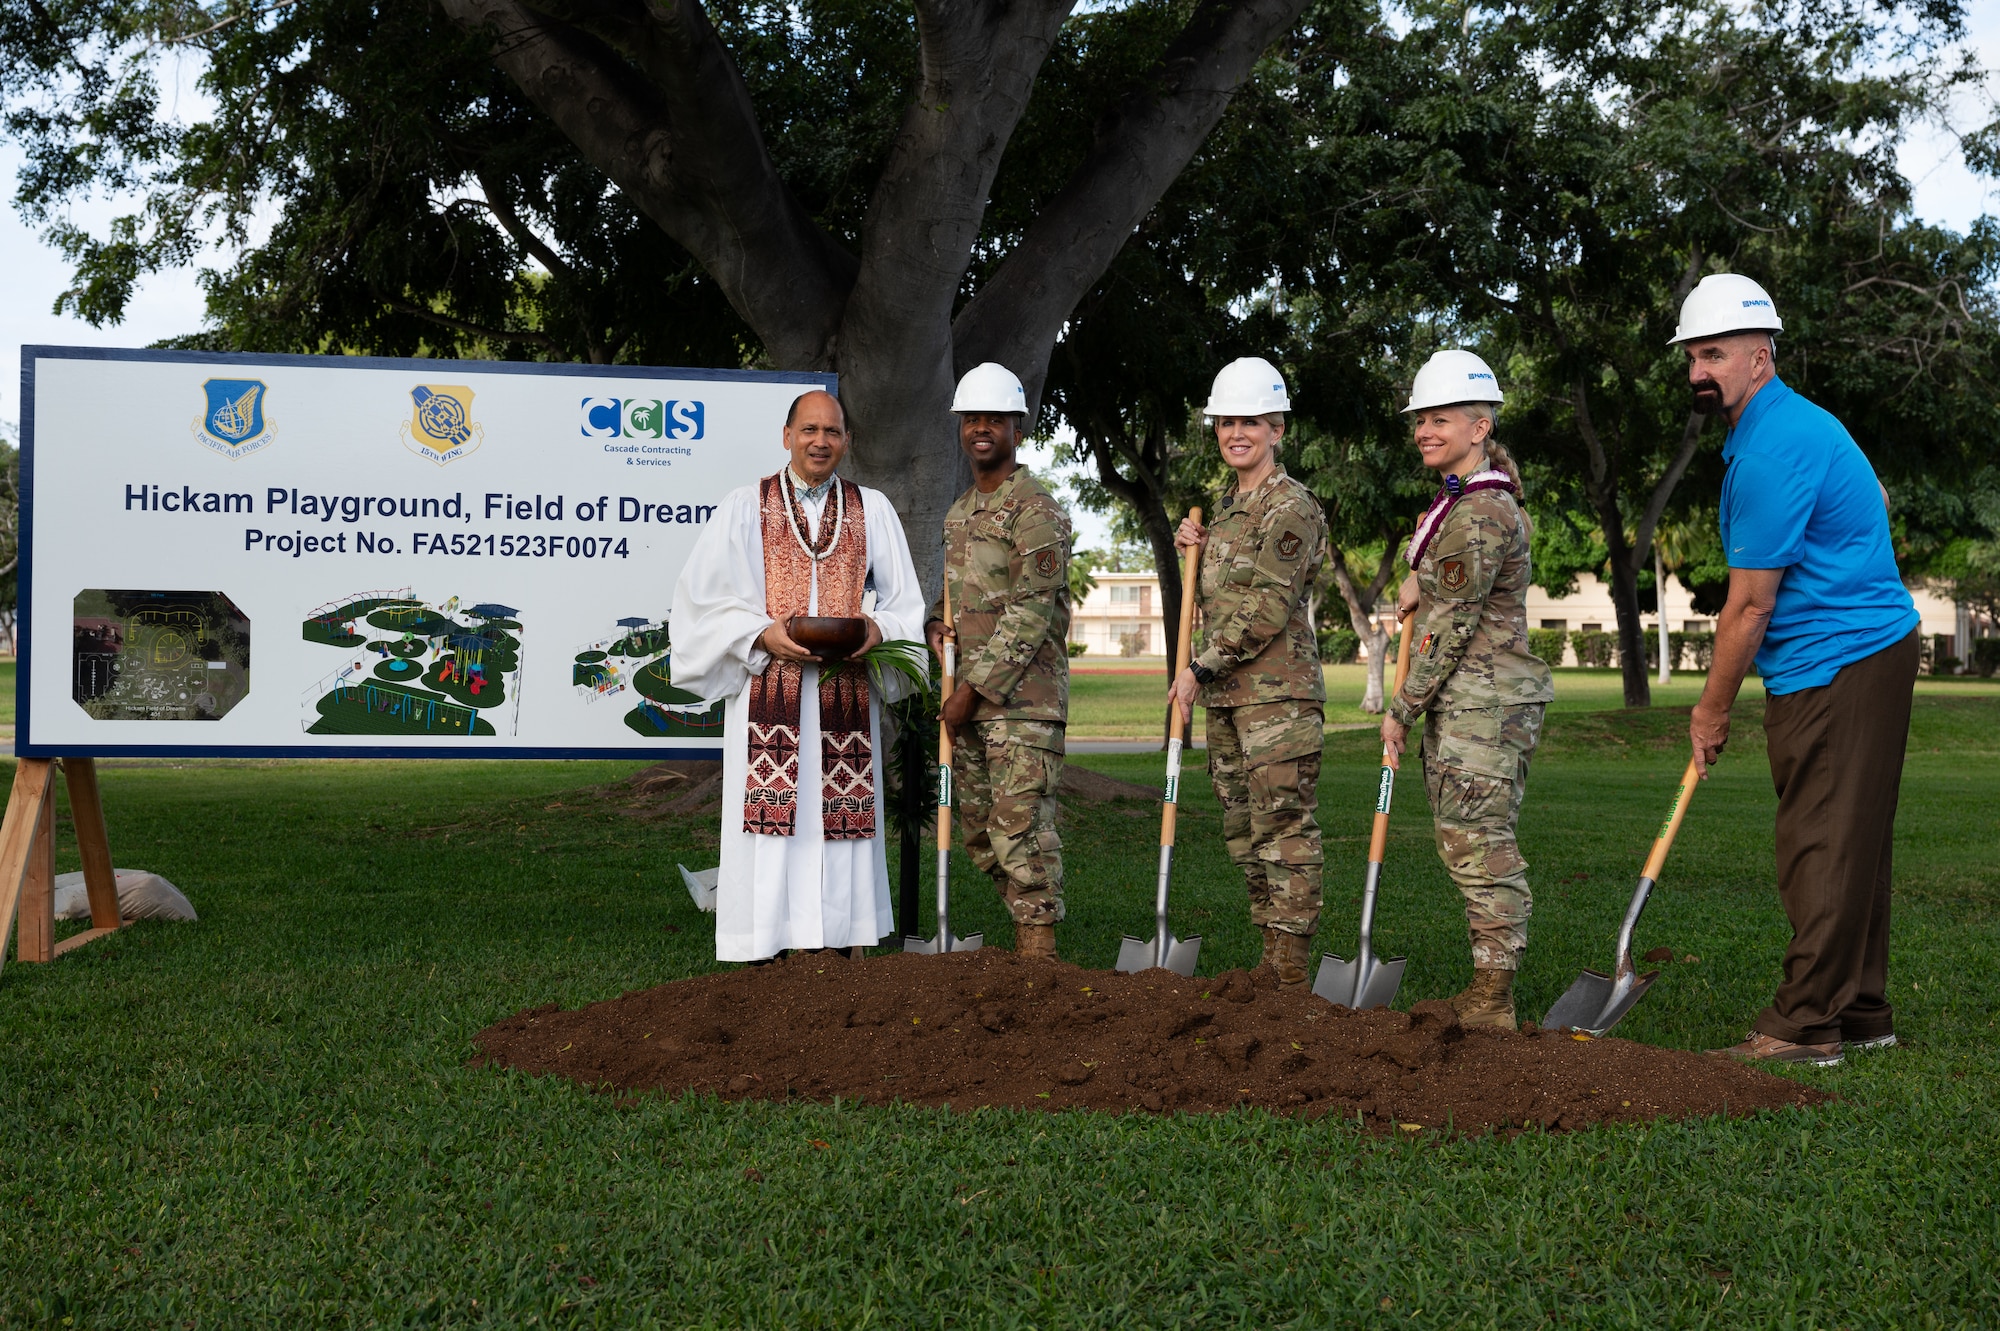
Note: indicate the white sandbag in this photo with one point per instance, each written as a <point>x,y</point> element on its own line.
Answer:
<point>701,886</point>
<point>141,896</point>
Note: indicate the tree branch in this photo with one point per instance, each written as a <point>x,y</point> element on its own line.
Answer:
<point>979,60</point>
<point>1141,146</point>
<point>514,225</point>
<point>1642,539</point>
<point>674,128</point>
<point>476,330</point>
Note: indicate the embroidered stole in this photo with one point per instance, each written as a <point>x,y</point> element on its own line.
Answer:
<point>1433,518</point>
<point>847,794</point>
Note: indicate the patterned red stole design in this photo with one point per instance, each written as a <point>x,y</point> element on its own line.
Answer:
<point>847,795</point>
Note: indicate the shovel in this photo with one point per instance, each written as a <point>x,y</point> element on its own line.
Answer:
<point>945,941</point>
<point>1165,950</point>
<point>1366,982</point>
<point>1596,1003</point>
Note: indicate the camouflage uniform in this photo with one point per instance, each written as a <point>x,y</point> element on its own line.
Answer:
<point>1485,692</point>
<point>1007,564</point>
<point>1266,701</point>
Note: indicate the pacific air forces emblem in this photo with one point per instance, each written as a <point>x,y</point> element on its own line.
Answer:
<point>1288,546</point>
<point>1045,563</point>
<point>1451,575</point>
<point>441,427</point>
<point>232,422</point>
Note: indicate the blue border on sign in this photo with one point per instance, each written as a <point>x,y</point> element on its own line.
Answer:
<point>24,745</point>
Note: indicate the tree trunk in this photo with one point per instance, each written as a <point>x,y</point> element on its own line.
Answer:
<point>652,98</point>
<point>1660,602</point>
<point>1602,487</point>
<point>1145,493</point>
<point>1361,604</point>
<point>1631,633</point>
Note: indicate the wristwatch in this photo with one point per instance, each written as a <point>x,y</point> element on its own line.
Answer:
<point>1202,674</point>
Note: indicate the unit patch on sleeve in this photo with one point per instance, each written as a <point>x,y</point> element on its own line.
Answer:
<point>1451,575</point>
<point>1288,545</point>
<point>1045,563</point>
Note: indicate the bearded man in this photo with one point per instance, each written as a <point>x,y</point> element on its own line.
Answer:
<point>1817,605</point>
<point>803,863</point>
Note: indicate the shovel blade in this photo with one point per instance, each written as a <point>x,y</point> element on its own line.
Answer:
<point>1141,954</point>
<point>1359,984</point>
<point>1593,1004</point>
<point>929,946</point>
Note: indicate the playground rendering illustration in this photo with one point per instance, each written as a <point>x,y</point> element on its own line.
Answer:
<point>158,656</point>
<point>634,664</point>
<point>415,668</point>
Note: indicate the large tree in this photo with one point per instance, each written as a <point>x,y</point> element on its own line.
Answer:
<point>1573,169</point>
<point>809,185</point>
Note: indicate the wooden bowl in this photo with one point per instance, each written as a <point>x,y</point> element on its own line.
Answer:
<point>831,638</point>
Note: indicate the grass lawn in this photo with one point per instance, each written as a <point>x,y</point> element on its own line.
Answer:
<point>1107,705</point>
<point>266,1117</point>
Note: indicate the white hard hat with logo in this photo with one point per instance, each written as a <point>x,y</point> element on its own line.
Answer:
<point>1251,386</point>
<point>990,387</point>
<point>1726,303</point>
<point>1451,377</point>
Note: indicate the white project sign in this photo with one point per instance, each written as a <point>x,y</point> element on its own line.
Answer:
<point>344,556</point>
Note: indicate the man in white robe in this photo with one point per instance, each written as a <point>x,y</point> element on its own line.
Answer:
<point>792,883</point>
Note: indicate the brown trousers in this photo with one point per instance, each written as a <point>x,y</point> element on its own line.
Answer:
<point>1837,761</point>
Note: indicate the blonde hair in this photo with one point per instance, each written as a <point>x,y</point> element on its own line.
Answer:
<point>1497,456</point>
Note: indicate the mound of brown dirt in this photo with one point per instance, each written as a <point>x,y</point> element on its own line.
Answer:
<point>663,790</point>
<point>991,1028</point>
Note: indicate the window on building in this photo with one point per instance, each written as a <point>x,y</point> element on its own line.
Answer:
<point>1125,593</point>
<point>1555,623</point>
<point>1593,628</point>
<point>1696,626</point>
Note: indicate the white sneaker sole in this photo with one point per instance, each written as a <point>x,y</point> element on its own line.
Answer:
<point>1879,1042</point>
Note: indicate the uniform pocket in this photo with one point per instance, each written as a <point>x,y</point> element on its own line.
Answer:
<point>1477,755</point>
<point>1477,760</point>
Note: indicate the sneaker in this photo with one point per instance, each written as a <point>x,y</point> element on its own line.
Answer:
<point>1877,1042</point>
<point>1762,1048</point>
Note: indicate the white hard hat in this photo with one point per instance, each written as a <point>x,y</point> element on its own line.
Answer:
<point>1451,377</point>
<point>990,387</point>
<point>1726,303</point>
<point>1251,386</point>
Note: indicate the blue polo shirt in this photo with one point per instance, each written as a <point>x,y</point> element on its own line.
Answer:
<point>1800,496</point>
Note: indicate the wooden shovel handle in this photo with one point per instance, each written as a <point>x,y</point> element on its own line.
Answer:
<point>1664,842</point>
<point>1378,840</point>
<point>1183,650</point>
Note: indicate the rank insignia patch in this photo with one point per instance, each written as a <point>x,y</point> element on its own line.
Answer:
<point>1451,575</point>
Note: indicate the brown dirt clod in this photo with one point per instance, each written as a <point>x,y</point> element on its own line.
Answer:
<point>991,1028</point>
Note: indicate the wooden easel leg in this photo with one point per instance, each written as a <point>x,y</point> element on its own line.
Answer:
<point>86,810</point>
<point>17,837</point>
<point>37,936</point>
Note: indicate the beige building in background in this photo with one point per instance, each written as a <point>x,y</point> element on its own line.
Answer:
<point>1589,608</point>
<point>1122,617</point>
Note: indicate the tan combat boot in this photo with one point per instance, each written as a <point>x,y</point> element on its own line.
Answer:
<point>1035,940</point>
<point>1291,954</point>
<point>1267,953</point>
<point>1487,1001</point>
